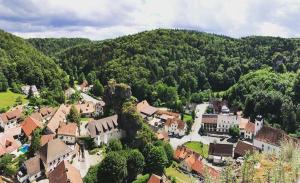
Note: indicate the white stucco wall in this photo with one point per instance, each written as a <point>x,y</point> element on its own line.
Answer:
<point>225,121</point>
<point>265,147</point>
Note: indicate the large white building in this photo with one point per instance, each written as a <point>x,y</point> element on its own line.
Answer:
<point>227,120</point>
<point>105,129</point>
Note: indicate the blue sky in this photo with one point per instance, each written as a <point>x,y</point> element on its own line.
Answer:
<point>102,19</point>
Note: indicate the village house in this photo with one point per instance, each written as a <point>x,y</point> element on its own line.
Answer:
<point>29,125</point>
<point>175,127</point>
<point>26,89</point>
<point>247,129</point>
<point>105,129</point>
<point>209,122</point>
<point>164,115</point>
<point>8,145</point>
<point>86,109</point>
<point>146,110</point>
<point>65,173</point>
<point>218,153</point>
<point>98,104</point>
<point>67,133</point>
<point>217,105</point>
<point>158,179</point>
<point>46,138</point>
<point>58,119</point>
<point>10,119</point>
<point>84,87</point>
<point>53,153</point>
<point>191,161</point>
<point>46,113</point>
<point>242,148</point>
<point>269,139</point>
<point>31,170</point>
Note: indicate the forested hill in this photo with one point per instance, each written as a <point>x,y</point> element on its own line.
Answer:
<point>188,60</point>
<point>20,62</point>
<point>52,46</point>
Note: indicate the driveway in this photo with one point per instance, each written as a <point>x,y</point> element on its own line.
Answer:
<point>90,160</point>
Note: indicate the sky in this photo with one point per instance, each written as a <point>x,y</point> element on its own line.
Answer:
<point>103,19</point>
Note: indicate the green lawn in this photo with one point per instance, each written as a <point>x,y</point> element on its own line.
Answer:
<point>180,177</point>
<point>187,117</point>
<point>85,119</point>
<point>198,147</point>
<point>8,99</point>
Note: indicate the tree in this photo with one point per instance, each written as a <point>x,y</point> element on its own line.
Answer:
<point>234,131</point>
<point>296,87</point>
<point>169,152</point>
<point>156,160</point>
<point>3,82</point>
<point>130,120</point>
<point>30,93</point>
<point>115,94</point>
<point>74,116</point>
<point>114,145</point>
<point>91,77</point>
<point>135,164</point>
<point>35,142</point>
<point>6,164</point>
<point>81,78</point>
<point>19,100</point>
<point>112,169</point>
<point>91,176</point>
<point>97,89</point>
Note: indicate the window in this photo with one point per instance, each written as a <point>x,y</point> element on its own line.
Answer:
<point>262,146</point>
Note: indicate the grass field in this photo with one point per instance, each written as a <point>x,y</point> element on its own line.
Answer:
<point>198,147</point>
<point>187,117</point>
<point>9,99</point>
<point>180,177</point>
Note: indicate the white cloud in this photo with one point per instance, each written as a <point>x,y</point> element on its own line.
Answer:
<point>100,19</point>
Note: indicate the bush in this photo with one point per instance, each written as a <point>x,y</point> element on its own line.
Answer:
<point>142,179</point>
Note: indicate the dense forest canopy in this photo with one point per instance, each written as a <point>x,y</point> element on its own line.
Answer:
<point>168,67</point>
<point>52,46</point>
<point>20,62</point>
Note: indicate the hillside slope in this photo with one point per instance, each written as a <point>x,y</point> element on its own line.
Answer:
<point>20,62</point>
<point>52,46</point>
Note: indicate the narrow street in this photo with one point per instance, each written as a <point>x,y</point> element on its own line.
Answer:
<point>194,135</point>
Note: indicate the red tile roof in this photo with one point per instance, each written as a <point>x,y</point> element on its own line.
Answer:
<point>243,147</point>
<point>180,123</point>
<point>14,114</point>
<point>145,108</point>
<point>29,125</point>
<point>209,118</point>
<point>46,138</point>
<point>200,168</point>
<point>273,136</point>
<point>8,144</point>
<point>65,173</point>
<point>155,179</point>
<point>250,127</point>
<point>68,129</point>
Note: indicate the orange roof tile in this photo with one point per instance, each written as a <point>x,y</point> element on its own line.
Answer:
<point>29,125</point>
<point>68,129</point>
<point>46,138</point>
